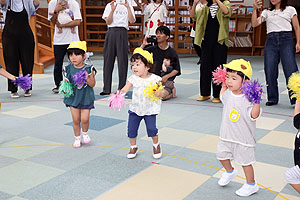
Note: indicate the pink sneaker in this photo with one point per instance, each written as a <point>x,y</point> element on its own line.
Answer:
<point>86,138</point>
<point>77,142</point>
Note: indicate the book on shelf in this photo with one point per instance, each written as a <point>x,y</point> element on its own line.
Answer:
<point>232,25</point>
<point>242,41</point>
<point>248,27</point>
<point>249,10</point>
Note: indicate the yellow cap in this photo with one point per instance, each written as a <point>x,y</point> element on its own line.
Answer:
<point>240,65</point>
<point>145,54</point>
<point>78,45</point>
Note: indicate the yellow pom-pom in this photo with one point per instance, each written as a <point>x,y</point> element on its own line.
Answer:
<point>294,85</point>
<point>151,89</point>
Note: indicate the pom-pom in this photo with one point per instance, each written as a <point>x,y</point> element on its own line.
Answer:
<point>24,82</point>
<point>219,75</point>
<point>253,91</point>
<point>80,78</point>
<point>66,88</point>
<point>294,85</point>
<point>116,101</point>
<point>151,89</point>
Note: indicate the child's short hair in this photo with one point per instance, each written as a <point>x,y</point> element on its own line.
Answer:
<point>75,51</point>
<point>137,56</point>
<point>173,59</point>
<point>241,74</point>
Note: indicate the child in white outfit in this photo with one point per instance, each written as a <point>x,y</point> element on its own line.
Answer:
<point>142,107</point>
<point>237,133</point>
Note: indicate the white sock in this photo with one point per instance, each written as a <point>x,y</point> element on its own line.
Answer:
<point>84,133</point>
<point>133,146</point>
<point>156,145</point>
<point>77,137</point>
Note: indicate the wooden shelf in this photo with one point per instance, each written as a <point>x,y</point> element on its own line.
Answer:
<point>95,28</point>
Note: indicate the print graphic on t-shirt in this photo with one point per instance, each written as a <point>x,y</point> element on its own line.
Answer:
<point>234,116</point>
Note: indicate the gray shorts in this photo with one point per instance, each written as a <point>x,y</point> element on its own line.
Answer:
<point>292,175</point>
<point>241,154</point>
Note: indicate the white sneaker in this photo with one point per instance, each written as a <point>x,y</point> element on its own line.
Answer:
<point>77,142</point>
<point>227,177</point>
<point>14,95</point>
<point>86,138</point>
<point>247,190</point>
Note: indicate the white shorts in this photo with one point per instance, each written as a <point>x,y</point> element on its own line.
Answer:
<point>292,175</point>
<point>241,154</point>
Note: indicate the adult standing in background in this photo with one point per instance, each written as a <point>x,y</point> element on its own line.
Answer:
<point>212,34</point>
<point>196,47</point>
<point>17,39</point>
<point>62,40</point>
<point>279,44</point>
<point>116,17</point>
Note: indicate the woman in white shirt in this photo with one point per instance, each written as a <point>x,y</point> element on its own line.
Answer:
<point>279,44</point>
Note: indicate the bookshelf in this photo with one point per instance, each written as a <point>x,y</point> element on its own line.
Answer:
<point>179,22</point>
<point>243,38</point>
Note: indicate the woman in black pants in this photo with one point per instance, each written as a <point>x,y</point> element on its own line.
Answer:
<point>17,39</point>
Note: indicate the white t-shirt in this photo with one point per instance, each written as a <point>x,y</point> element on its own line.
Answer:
<point>120,16</point>
<point>140,104</point>
<point>278,20</point>
<point>159,15</point>
<point>237,124</point>
<point>66,37</point>
<point>198,6</point>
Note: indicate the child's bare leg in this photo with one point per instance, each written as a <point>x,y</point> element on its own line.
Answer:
<point>85,119</point>
<point>132,141</point>
<point>155,139</point>
<point>296,187</point>
<point>76,120</point>
<point>249,173</point>
<point>73,30</point>
<point>174,92</point>
<point>59,30</point>
<point>227,165</point>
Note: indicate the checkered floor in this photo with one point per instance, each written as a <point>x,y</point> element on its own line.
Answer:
<point>37,160</point>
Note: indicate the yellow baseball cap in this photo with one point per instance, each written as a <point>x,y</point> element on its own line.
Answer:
<point>145,54</point>
<point>78,45</point>
<point>240,65</point>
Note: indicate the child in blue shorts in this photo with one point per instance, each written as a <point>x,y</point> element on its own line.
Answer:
<point>141,107</point>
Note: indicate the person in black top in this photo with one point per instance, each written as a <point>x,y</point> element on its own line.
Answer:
<point>292,175</point>
<point>159,52</point>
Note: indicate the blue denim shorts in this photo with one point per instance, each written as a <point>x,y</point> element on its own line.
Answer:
<point>134,123</point>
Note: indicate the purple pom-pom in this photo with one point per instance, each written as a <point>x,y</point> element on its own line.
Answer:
<point>24,82</point>
<point>79,78</point>
<point>253,91</point>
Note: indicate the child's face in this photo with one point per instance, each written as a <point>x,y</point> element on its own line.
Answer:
<point>139,68</point>
<point>167,62</point>
<point>234,82</point>
<point>76,60</point>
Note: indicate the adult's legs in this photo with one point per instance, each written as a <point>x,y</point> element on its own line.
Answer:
<point>122,56</point>
<point>109,58</point>
<point>288,59</point>
<point>219,58</point>
<point>26,49</point>
<point>205,69</point>
<point>11,57</point>
<point>271,61</point>
<point>59,54</point>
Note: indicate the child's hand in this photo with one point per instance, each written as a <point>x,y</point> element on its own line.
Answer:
<point>158,94</point>
<point>164,68</point>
